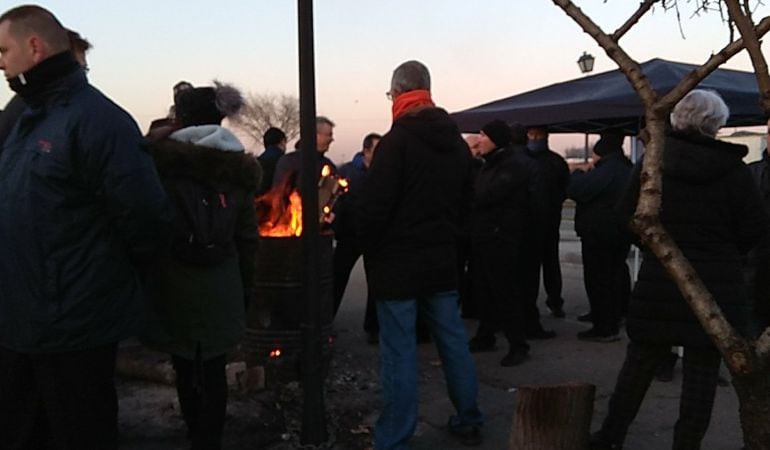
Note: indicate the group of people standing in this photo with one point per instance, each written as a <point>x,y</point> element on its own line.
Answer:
<point>106,234</point>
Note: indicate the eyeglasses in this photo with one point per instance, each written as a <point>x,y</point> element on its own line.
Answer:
<point>389,95</point>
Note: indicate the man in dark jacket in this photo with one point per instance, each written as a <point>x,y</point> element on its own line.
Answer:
<point>543,248</point>
<point>348,250</point>
<point>498,218</point>
<point>289,165</point>
<point>274,141</point>
<point>409,217</point>
<point>81,207</point>
<point>604,242</point>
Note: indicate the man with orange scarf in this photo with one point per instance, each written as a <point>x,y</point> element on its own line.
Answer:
<point>417,185</point>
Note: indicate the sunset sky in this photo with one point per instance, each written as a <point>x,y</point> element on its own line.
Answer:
<point>476,51</point>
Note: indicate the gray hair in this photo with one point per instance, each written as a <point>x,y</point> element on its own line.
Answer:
<point>323,120</point>
<point>702,111</point>
<point>410,76</point>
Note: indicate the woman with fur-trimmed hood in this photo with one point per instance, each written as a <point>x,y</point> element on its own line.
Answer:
<point>199,288</point>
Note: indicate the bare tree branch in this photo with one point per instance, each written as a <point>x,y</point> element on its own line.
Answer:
<point>643,8</point>
<point>750,38</point>
<point>268,110</point>
<point>716,60</point>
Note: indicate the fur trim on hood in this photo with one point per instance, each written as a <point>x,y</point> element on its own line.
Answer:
<point>211,136</point>
<point>206,164</point>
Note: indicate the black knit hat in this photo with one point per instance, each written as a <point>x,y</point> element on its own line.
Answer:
<point>206,105</point>
<point>498,132</point>
<point>609,143</point>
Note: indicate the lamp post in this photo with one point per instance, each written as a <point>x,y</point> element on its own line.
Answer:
<point>586,62</point>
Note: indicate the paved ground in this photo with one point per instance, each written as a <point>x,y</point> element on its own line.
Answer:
<point>150,420</point>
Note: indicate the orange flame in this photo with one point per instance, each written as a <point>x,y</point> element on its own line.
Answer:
<point>279,211</point>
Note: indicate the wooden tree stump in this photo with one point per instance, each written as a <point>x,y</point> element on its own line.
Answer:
<point>553,417</point>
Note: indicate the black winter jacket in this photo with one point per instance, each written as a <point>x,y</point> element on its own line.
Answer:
<point>501,202</point>
<point>596,192</point>
<point>414,192</point>
<point>554,175</point>
<point>712,209</point>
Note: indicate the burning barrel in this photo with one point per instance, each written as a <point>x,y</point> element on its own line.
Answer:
<point>274,322</point>
<point>273,337</point>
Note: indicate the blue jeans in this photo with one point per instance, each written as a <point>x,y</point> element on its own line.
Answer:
<point>398,366</point>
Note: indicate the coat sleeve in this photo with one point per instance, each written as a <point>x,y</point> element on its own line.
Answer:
<point>119,169</point>
<point>381,191</point>
<point>585,186</point>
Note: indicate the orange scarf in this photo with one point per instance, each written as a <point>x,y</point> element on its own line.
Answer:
<point>409,101</point>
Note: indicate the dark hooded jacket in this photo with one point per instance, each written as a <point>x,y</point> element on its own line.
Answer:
<point>412,198</point>
<point>712,210</point>
<point>193,305</point>
<point>81,207</point>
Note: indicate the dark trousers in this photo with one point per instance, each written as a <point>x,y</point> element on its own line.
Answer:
<point>202,390</point>
<point>346,253</point>
<point>541,252</point>
<point>606,279</point>
<point>550,263</point>
<point>497,289</point>
<point>61,401</point>
<point>701,370</point>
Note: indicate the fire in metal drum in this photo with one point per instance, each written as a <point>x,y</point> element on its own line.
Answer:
<point>274,322</point>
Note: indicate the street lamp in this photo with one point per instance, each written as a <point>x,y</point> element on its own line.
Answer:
<point>586,62</point>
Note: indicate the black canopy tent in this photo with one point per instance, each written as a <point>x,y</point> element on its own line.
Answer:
<point>606,100</point>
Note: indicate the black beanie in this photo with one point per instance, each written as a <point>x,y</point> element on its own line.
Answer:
<point>609,143</point>
<point>197,106</point>
<point>498,132</point>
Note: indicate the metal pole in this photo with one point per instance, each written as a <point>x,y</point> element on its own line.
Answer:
<point>585,150</point>
<point>313,416</point>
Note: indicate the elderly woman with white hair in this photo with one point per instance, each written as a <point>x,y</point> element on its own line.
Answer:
<point>712,209</point>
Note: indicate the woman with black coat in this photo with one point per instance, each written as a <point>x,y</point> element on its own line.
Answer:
<point>712,210</point>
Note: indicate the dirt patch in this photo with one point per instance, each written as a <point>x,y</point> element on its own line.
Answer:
<point>271,419</point>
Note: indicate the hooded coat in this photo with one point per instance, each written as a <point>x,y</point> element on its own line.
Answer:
<point>417,184</point>
<point>712,210</point>
<point>194,306</point>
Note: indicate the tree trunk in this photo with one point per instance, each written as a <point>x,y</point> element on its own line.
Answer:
<point>553,417</point>
<point>754,398</point>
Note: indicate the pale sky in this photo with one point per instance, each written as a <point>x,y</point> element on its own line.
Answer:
<point>476,51</point>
